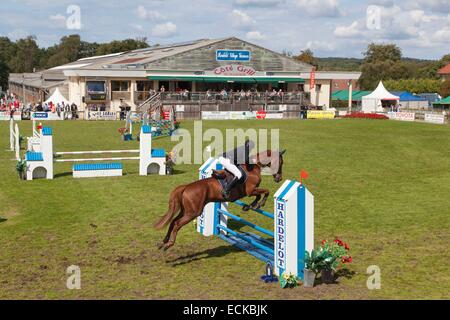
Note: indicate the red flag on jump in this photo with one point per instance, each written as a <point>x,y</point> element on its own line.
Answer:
<point>303,176</point>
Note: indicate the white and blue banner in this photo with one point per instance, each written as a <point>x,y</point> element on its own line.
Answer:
<point>233,55</point>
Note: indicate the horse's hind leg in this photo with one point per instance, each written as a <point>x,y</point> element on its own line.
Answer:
<point>169,231</point>
<point>178,224</point>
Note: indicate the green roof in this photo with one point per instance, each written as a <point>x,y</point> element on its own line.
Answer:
<point>444,101</point>
<point>229,79</point>
<point>343,95</point>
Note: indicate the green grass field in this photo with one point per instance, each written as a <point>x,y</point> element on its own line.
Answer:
<point>382,186</point>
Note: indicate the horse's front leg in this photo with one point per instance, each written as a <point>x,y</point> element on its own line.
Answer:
<point>259,192</point>
<point>254,203</point>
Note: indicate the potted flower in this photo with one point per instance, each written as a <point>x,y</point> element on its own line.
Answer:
<point>288,280</point>
<point>313,261</point>
<point>332,255</point>
<point>21,139</point>
<point>21,168</point>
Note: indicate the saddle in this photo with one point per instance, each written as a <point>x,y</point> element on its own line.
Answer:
<point>225,179</point>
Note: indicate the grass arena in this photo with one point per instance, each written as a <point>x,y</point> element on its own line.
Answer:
<point>383,186</point>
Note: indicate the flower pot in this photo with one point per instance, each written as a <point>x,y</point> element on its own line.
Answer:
<point>327,276</point>
<point>310,277</point>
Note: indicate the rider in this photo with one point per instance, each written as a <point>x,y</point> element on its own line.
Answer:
<point>230,160</point>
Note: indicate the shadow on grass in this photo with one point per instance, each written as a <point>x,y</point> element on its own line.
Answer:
<point>62,175</point>
<point>343,273</point>
<point>3,219</point>
<point>206,254</point>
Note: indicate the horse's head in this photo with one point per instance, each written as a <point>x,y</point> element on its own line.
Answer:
<point>274,161</point>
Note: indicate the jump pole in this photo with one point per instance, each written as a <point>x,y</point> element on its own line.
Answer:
<point>293,226</point>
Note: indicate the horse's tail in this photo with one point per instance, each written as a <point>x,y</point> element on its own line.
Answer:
<point>174,207</point>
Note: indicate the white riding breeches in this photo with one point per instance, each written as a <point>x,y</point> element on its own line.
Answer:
<point>229,166</point>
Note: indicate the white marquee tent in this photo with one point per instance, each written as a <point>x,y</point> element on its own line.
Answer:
<point>56,98</point>
<point>374,101</point>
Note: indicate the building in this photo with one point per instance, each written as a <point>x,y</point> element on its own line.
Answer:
<point>204,68</point>
<point>444,73</point>
<point>37,87</point>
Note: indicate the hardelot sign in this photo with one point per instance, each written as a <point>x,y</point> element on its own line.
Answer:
<point>233,55</point>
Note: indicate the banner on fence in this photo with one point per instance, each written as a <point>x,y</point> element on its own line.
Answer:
<point>264,115</point>
<point>228,115</point>
<point>47,116</point>
<point>318,114</point>
<point>6,116</point>
<point>402,116</point>
<point>435,118</point>
<point>101,115</point>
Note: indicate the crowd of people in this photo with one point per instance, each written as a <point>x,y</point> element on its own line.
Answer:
<point>10,103</point>
<point>274,95</point>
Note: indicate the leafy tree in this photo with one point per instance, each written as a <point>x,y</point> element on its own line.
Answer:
<point>122,46</point>
<point>307,56</point>
<point>413,85</point>
<point>382,62</point>
<point>4,75</point>
<point>7,49</point>
<point>68,50</point>
<point>26,56</point>
<point>444,90</point>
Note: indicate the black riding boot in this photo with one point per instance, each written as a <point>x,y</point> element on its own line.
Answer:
<point>226,191</point>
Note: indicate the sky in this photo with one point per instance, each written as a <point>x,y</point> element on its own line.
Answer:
<point>330,28</point>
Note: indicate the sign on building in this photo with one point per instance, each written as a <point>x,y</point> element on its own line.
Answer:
<point>233,55</point>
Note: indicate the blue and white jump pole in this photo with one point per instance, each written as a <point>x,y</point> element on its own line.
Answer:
<point>293,231</point>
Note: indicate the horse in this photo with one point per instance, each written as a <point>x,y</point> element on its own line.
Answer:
<point>190,200</point>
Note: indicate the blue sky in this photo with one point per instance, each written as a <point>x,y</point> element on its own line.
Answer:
<point>328,27</point>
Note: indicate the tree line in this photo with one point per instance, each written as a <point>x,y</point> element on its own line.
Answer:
<point>24,55</point>
<point>386,62</point>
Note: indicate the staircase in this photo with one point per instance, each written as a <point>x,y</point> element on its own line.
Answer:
<point>152,104</point>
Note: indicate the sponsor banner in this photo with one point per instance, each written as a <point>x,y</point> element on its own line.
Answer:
<point>402,116</point>
<point>47,116</point>
<point>215,115</point>
<point>435,118</point>
<point>6,116</point>
<point>102,115</point>
<point>233,55</point>
<point>318,114</point>
<point>242,115</point>
<point>228,115</point>
<point>312,80</point>
<point>263,115</point>
<point>180,108</point>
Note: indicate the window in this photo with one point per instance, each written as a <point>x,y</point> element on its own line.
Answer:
<point>120,85</point>
<point>96,86</point>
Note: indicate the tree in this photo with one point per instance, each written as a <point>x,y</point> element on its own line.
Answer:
<point>122,46</point>
<point>307,56</point>
<point>7,49</point>
<point>67,51</point>
<point>26,56</point>
<point>413,85</point>
<point>382,62</point>
<point>444,90</point>
<point>4,75</point>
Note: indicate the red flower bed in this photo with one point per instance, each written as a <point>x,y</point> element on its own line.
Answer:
<point>362,115</point>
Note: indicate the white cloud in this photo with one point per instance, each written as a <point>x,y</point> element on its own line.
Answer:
<point>321,45</point>
<point>255,35</point>
<point>241,20</point>
<point>350,31</point>
<point>320,8</point>
<point>143,13</point>
<point>259,3</point>
<point>59,20</point>
<point>165,30</point>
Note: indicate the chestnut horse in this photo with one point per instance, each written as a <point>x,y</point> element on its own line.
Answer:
<point>190,200</point>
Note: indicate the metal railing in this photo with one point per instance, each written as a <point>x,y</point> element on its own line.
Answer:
<point>253,97</point>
